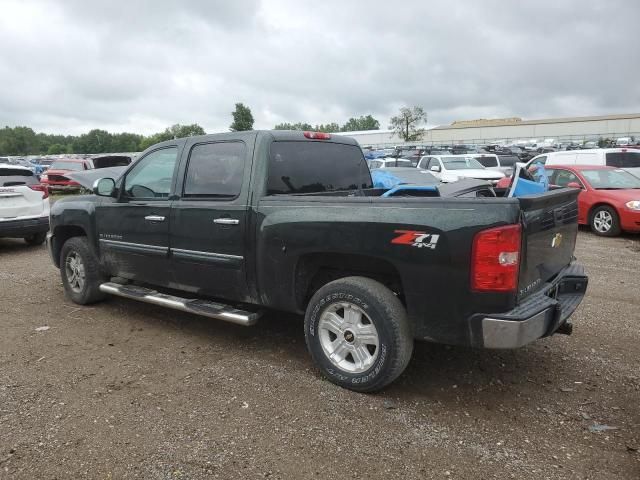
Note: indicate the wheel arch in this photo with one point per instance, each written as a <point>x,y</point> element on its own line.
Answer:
<point>313,270</point>
<point>597,205</point>
<point>61,234</point>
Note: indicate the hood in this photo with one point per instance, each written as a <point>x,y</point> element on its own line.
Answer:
<point>476,173</point>
<point>87,178</point>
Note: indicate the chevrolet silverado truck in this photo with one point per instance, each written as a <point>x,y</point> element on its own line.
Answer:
<point>234,225</point>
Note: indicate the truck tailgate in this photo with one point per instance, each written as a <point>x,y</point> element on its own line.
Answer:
<point>550,228</point>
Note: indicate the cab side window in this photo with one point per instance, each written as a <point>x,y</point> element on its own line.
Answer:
<point>215,170</point>
<point>433,162</point>
<point>562,178</point>
<point>152,175</point>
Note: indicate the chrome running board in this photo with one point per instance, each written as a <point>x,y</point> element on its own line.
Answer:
<point>199,307</point>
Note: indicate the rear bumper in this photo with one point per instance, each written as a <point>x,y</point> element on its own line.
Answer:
<point>540,315</point>
<point>24,227</point>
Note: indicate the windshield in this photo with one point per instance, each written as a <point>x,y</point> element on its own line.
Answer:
<point>610,179</point>
<point>67,166</point>
<point>461,163</point>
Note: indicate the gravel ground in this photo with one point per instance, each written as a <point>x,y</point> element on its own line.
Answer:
<point>128,390</point>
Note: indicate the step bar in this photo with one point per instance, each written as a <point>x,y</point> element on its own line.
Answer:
<point>205,308</point>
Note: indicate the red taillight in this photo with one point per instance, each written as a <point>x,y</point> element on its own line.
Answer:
<point>40,188</point>
<point>318,135</point>
<point>495,259</point>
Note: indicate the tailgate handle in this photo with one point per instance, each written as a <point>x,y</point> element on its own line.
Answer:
<point>154,218</point>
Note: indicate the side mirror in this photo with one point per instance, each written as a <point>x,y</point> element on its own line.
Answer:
<point>435,168</point>
<point>104,187</point>
<point>574,185</point>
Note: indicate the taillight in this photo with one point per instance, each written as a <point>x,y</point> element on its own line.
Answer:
<point>40,188</point>
<point>317,135</point>
<point>495,259</point>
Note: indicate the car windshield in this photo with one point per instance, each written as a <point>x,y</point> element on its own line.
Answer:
<point>66,166</point>
<point>461,163</point>
<point>611,179</point>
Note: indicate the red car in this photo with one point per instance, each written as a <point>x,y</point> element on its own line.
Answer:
<point>610,199</point>
<point>54,178</point>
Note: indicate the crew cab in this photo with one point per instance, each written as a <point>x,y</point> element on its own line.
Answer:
<point>232,225</point>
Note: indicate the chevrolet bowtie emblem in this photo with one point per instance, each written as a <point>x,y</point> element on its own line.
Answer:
<point>557,240</point>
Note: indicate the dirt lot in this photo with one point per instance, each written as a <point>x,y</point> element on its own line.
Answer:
<point>126,390</point>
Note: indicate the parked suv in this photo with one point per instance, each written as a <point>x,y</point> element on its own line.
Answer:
<point>24,207</point>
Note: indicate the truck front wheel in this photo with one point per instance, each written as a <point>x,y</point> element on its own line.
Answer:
<point>80,271</point>
<point>358,334</point>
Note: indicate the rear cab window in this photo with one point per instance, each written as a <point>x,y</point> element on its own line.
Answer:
<point>297,167</point>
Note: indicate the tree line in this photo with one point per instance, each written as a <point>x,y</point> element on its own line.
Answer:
<point>24,141</point>
<point>16,141</point>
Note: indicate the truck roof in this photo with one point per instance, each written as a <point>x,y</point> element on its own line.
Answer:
<point>277,135</point>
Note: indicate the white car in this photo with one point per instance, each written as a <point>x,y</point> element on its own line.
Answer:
<point>625,158</point>
<point>389,162</point>
<point>24,205</point>
<point>450,168</point>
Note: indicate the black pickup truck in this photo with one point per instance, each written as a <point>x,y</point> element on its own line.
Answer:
<point>232,225</point>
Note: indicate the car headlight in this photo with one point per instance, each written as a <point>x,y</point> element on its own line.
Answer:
<point>633,204</point>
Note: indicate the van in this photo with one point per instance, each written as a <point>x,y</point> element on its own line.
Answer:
<point>628,159</point>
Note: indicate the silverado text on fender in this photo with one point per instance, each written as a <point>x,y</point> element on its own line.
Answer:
<point>232,224</point>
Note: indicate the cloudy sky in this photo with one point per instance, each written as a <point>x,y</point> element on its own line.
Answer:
<point>67,66</point>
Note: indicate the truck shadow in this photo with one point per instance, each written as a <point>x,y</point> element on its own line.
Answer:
<point>435,373</point>
<point>13,245</point>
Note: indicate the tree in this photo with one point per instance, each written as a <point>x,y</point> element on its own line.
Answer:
<point>405,125</point>
<point>170,133</point>
<point>328,128</point>
<point>56,149</point>
<point>242,118</point>
<point>361,123</point>
<point>293,126</point>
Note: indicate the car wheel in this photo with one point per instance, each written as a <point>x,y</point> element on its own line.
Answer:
<point>358,333</point>
<point>36,239</point>
<point>80,271</point>
<point>605,221</point>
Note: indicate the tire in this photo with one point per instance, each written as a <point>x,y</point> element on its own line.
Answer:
<point>36,239</point>
<point>76,260</point>
<point>370,313</point>
<point>604,221</point>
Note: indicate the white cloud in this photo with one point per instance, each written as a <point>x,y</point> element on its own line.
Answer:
<point>68,66</point>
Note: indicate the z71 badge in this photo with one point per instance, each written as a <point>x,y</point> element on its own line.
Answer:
<point>416,239</point>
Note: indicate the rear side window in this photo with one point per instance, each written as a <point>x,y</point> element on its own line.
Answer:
<point>623,159</point>
<point>487,161</point>
<point>311,167</point>
<point>215,170</point>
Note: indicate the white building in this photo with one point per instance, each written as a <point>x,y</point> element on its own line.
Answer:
<point>512,130</point>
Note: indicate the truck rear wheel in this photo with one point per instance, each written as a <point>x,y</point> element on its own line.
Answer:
<point>80,271</point>
<point>358,334</point>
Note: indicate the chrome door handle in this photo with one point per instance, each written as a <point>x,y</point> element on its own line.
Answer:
<point>226,221</point>
<point>154,218</point>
